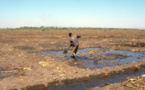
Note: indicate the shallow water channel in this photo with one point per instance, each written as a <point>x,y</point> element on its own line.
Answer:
<point>97,57</point>
<point>98,82</point>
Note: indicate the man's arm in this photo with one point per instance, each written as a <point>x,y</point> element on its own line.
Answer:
<point>78,36</point>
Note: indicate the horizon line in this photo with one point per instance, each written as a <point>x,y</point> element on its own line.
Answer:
<point>67,27</point>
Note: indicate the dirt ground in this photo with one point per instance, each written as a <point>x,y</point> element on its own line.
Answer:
<point>22,68</point>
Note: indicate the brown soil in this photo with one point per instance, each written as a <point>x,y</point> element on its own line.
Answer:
<point>21,68</point>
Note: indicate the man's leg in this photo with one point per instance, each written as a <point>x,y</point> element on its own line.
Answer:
<point>73,51</point>
<point>76,49</point>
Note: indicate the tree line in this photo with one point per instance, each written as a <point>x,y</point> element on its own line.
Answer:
<point>43,28</point>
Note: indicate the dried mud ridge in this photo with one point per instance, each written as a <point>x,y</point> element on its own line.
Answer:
<point>108,72</point>
<point>16,55</point>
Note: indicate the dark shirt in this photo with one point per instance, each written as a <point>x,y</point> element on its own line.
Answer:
<point>74,40</point>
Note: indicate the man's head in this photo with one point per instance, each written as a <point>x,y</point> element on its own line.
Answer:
<point>70,34</point>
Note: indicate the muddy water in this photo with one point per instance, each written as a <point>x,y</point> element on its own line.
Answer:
<point>98,82</point>
<point>1,73</point>
<point>97,57</point>
<point>8,73</point>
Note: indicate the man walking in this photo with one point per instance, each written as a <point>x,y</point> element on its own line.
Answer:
<point>74,43</point>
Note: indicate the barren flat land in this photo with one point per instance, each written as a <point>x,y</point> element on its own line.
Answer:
<point>21,67</point>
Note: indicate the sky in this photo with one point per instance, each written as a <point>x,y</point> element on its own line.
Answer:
<point>73,13</point>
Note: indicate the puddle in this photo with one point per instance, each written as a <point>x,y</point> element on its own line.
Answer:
<point>97,57</point>
<point>0,73</point>
<point>8,73</point>
<point>98,82</point>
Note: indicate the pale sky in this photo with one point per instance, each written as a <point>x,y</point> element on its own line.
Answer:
<point>73,13</point>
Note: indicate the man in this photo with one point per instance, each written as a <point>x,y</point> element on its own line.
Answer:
<point>74,43</point>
